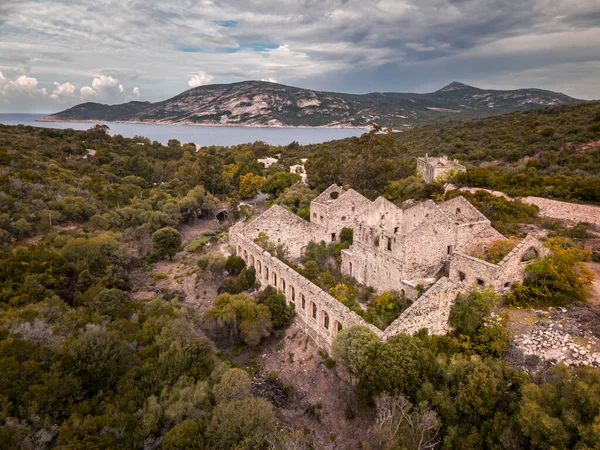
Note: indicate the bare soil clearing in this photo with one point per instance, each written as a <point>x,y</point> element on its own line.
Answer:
<point>181,272</point>
<point>319,396</point>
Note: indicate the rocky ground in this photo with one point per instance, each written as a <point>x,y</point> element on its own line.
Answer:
<point>556,337</point>
<point>319,399</point>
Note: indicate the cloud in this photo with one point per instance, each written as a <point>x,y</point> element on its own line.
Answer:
<point>105,89</point>
<point>21,86</point>
<point>270,80</point>
<point>88,94</point>
<point>200,79</point>
<point>344,45</point>
<point>135,93</point>
<point>63,93</point>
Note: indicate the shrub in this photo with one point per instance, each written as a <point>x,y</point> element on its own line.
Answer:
<point>238,317</point>
<point>386,308</point>
<point>167,242</point>
<point>555,280</point>
<point>234,265</point>
<point>198,244</point>
<point>281,313</point>
<point>213,262</point>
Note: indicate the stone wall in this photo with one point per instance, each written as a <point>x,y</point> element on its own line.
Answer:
<point>319,314</point>
<point>571,212</point>
<point>333,214</point>
<point>430,311</point>
<point>284,227</point>
<point>468,270</point>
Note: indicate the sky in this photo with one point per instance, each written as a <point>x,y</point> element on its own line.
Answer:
<point>58,53</point>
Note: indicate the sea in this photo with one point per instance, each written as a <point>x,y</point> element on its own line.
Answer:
<point>201,135</point>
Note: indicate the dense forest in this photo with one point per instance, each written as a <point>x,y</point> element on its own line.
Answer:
<point>86,364</point>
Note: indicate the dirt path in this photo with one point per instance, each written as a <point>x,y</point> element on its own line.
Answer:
<point>320,395</point>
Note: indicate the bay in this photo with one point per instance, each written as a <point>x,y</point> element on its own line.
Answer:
<point>201,135</point>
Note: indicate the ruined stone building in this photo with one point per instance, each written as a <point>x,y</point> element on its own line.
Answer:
<point>404,249</point>
<point>434,168</point>
<point>399,249</point>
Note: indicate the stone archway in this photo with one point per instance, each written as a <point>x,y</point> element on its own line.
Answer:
<point>530,254</point>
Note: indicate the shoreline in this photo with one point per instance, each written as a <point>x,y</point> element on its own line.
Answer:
<point>195,124</point>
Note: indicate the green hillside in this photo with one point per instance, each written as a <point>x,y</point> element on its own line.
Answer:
<point>552,152</point>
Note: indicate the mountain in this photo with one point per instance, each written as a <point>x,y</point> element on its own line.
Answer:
<point>259,103</point>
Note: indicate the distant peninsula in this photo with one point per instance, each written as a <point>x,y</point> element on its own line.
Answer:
<point>265,104</point>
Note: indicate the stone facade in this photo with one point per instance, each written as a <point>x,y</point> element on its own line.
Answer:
<point>393,249</point>
<point>336,208</point>
<point>284,227</point>
<point>470,271</point>
<point>432,168</point>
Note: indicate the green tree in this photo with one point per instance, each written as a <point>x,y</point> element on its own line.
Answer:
<point>246,423</point>
<point>236,317</point>
<point>97,357</point>
<point>188,434</point>
<point>110,302</point>
<point>352,347</point>
<point>235,384</point>
<point>167,242</point>
<point>564,412</point>
<point>250,184</point>
<point>281,313</point>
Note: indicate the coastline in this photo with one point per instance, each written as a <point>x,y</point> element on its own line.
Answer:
<point>45,119</point>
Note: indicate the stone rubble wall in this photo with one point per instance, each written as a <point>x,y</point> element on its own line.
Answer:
<point>571,212</point>
<point>271,271</point>
<point>284,227</point>
<point>430,311</point>
<point>555,209</point>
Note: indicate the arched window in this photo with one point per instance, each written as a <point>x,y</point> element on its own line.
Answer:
<point>314,311</point>
<point>530,255</point>
<point>293,294</point>
<point>251,260</point>
<point>259,267</point>
<point>303,301</point>
<point>325,320</point>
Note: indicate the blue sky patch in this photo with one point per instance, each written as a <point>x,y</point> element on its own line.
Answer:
<point>227,23</point>
<point>256,46</point>
<point>189,49</point>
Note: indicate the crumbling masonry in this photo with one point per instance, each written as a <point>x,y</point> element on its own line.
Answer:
<point>393,249</point>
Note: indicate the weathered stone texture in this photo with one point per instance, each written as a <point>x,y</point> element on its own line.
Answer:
<point>394,245</point>
<point>468,270</point>
<point>284,227</point>
<point>430,311</point>
<point>393,249</point>
<point>571,212</point>
<point>333,214</point>
<point>433,168</point>
<point>317,312</point>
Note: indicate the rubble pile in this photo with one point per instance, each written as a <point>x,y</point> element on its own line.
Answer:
<point>553,342</point>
